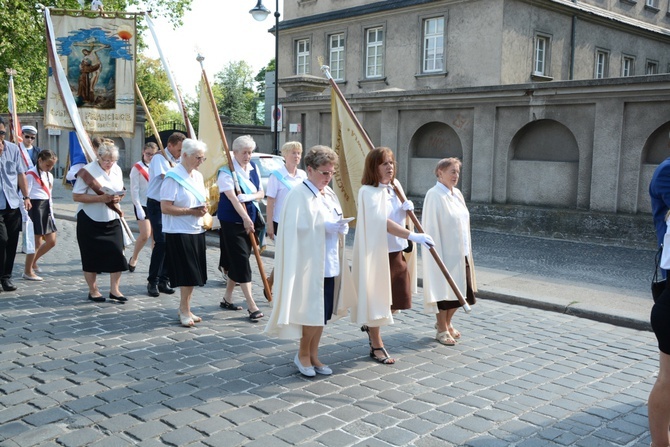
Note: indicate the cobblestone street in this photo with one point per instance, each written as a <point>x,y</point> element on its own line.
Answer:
<point>77,373</point>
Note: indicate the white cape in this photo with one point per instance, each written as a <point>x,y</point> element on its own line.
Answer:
<point>299,268</point>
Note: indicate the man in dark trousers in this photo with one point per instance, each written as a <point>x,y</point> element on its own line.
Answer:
<point>12,180</point>
<point>158,281</point>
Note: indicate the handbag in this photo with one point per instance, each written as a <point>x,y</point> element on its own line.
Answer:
<point>657,286</point>
<point>28,237</point>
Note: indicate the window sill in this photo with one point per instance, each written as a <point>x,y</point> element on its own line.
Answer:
<point>540,77</point>
<point>652,9</point>
<point>362,82</point>
<point>630,2</point>
<point>437,74</point>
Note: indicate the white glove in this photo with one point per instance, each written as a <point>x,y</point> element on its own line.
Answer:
<point>337,227</point>
<point>245,197</point>
<point>422,238</point>
<point>408,205</point>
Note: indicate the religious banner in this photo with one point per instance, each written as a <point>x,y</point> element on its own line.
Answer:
<point>97,55</point>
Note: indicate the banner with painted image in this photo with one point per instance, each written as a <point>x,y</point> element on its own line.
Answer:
<point>98,57</point>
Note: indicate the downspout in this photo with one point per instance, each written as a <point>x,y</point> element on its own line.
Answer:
<point>572,45</point>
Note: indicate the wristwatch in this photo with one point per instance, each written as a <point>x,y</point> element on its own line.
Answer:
<point>26,198</point>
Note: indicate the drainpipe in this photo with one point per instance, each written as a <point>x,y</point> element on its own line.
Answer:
<point>572,45</point>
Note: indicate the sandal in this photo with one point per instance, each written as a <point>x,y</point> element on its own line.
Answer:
<point>386,360</point>
<point>445,338</point>
<point>185,320</point>
<point>454,332</point>
<point>229,306</point>
<point>196,319</point>
<point>255,315</point>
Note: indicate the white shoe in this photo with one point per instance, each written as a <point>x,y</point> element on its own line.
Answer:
<point>307,371</point>
<point>32,278</point>
<point>325,370</point>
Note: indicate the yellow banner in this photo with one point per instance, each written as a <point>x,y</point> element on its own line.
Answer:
<point>351,147</point>
<point>209,133</point>
<point>98,57</point>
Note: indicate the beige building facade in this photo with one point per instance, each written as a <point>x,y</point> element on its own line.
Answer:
<point>547,102</point>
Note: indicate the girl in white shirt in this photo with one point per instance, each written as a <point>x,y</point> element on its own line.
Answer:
<point>139,180</point>
<point>40,185</point>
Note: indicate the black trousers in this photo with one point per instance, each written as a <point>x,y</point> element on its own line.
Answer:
<point>10,227</point>
<point>157,268</point>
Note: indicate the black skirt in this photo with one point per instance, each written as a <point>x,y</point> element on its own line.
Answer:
<point>40,214</point>
<point>237,251</point>
<point>186,259</point>
<point>100,245</point>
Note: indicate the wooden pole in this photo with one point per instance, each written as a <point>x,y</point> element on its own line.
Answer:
<point>252,235</point>
<point>399,193</point>
<point>151,120</point>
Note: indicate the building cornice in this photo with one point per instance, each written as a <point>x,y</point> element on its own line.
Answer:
<point>356,11</point>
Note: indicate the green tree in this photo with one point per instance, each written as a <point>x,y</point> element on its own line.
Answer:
<point>155,87</point>
<point>261,89</point>
<point>23,45</point>
<point>238,101</point>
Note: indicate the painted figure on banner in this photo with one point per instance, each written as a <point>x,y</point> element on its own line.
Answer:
<point>91,69</point>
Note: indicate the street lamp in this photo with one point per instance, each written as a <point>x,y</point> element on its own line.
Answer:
<point>260,12</point>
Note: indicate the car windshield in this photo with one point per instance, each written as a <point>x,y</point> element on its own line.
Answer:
<point>268,164</point>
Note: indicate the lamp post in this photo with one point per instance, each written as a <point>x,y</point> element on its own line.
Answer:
<point>260,12</point>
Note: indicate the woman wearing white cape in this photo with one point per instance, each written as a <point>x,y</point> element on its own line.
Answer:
<point>312,280</point>
<point>446,217</point>
<point>384,277</point>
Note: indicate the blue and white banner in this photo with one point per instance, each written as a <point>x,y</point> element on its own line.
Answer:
<point>96,54</point>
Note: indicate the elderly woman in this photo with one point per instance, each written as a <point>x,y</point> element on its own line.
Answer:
<point>311,272</point>
<point>238,214</point>
<point>139,181</point>
<point>446,217</point>
<point>381,272</point>
<point>99,189</point>
<point>279,184</point>
<point>183,204</point>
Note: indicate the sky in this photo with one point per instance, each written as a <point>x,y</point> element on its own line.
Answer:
<point>222,31</point>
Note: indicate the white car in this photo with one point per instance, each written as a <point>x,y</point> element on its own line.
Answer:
<point>266,164</point>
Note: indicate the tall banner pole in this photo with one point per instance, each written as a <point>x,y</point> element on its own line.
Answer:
<point>151,120</point>
<point>226,149</point>
<point>401,196</point>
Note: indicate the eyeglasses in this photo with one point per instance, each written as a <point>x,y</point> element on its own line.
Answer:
<point>2,132</point>
<point>201,159</point>
<point>326,173</point>
<point>102,160</point>
<point>29,137</point>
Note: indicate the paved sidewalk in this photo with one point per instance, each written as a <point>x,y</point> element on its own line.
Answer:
<point>77,373</point>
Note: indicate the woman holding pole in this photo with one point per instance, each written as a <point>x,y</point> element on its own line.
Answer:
<point>238,215</point>
<point>446,217</point>
<point>383,279</point>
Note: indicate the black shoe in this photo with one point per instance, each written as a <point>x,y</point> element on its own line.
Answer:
<point>8,285</point>
<point>164,288</point>
<point>97,299</point>
<point>152,290</point>
<point>120,298</point>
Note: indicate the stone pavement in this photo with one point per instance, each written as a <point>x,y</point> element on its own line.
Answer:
<point>76,373</point>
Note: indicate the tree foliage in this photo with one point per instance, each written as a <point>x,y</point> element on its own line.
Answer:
<point>238,97</point>
<point>155,87</point>
<point>23,45</point>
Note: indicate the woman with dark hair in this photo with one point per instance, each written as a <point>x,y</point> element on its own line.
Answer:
<point>311,273</point>
<point>446,217</point>
<point>40,184</point>
<point>99,189</point>
<point>139,182</point>
<point>383,278</point>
